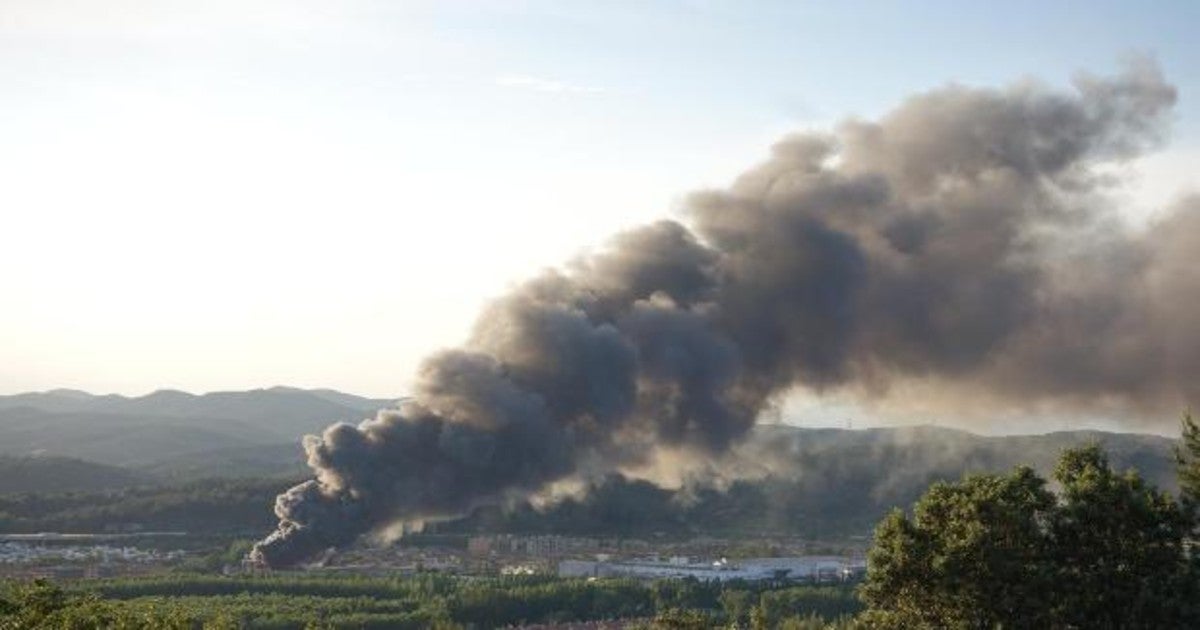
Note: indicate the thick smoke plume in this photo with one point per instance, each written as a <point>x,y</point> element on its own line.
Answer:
<point>966,243</point>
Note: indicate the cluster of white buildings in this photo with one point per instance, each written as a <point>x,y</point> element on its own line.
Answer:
<point>24,553</point>
<point>800,568</point>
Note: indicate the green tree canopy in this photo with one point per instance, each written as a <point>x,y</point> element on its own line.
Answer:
<point>1002,551</point>
<point>1187,454</point>
<point>972,556</point>
<point>1117,547</point>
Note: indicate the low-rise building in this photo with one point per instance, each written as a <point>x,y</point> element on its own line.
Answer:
<point>801,568</point>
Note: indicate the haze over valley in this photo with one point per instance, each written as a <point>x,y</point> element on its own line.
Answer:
<point>603,315</point>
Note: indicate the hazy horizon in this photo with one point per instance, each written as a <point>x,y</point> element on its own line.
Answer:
<point>804,414</point>
<point>222,197</point>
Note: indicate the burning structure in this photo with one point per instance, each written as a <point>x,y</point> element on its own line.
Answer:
<point>966,244</point>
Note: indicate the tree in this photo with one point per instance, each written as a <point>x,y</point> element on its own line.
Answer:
<point>1187,455</point>
<point>680,619</point>
<point>736,604</point>
<point>29,603</point>
<point>42,604</point>
<point>972,556</point>
<point>1117,546</point>
<point>1001,551</point>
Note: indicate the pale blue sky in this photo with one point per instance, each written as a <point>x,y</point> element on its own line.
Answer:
<point>233,194</point>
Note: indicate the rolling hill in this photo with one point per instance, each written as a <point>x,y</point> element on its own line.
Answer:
<point>787,480</point>
<point>815,482</point>
<point>167,425</point>
<point>20,475</point>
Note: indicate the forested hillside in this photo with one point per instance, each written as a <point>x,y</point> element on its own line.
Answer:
<point>821,483</point>
<point>94,461</point>
<point>62,474</point>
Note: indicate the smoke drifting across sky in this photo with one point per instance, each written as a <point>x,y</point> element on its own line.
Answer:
<point>965,244</point>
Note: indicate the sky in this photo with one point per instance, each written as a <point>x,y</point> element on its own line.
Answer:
<point>236,194</point>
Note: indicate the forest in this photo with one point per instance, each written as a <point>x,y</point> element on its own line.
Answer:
<point>297,601</point>
<point>821,483</point>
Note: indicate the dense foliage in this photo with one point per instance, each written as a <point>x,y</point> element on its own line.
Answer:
<point>45,474</point>
<point>425,601</point>
<point>1187,456</point>
<point>214,505</point>
<point>990,551</point>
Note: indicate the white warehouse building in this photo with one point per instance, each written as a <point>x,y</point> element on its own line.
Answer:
<point>800,568</point>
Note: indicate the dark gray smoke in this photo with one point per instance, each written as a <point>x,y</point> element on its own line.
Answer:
<point>965,243</point>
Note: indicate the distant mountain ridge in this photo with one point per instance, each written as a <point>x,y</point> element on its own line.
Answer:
<point>64,440</point>
<point>231,404</point>
<point>918,455</point>
<point>166,425</point>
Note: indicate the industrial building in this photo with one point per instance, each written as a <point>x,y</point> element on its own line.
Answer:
<point>801,568</point>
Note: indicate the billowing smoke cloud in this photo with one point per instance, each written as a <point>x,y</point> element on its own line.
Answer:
<point>966,241</point>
